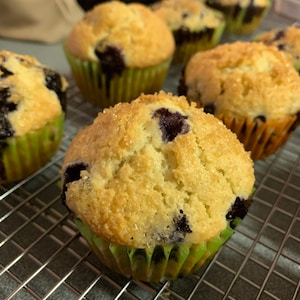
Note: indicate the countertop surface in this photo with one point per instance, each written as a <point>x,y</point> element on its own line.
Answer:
<point>48,54</point>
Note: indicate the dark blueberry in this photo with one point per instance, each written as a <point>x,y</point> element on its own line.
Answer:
<point>158,255</point>
<point>279,35</point>
<point>111,61</point>
<point>5,72</point>
<point>184,15</point>
<point>180,227</point>
<point>171,124</point>
<point>11,106</point>
<point>53,82</point>
<point>281,47</point>
<point>209,108</point>
<point>6,129</point>
<point>71,174</point>
<point>181,223</point>
<point>239,209</point>
<point>4,95</point>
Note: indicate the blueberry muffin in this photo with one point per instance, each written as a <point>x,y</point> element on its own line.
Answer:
<point>33,102</point>
<point>153,186</point>
<point>242,16</point>
<point>194,25</point>
<point>251,87</point>
<point>119,50</point>
<point>287,40</point>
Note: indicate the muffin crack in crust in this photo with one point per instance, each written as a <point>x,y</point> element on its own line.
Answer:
<point>138,188</point>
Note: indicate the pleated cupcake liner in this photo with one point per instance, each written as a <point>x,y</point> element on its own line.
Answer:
<point>102,91</point>
<point>193,42</point>
<point>153,264</point>
<point>262,138</point>
<point>21,156</point>
<point>242,20</point>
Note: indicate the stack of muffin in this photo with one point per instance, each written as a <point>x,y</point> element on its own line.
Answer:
<point>153,184</point>
<point>158,182</point>
<point>117,51</point>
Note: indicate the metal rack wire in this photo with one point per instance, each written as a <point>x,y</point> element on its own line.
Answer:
<point>42,255</point>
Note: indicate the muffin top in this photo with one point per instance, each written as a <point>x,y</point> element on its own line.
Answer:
<point>243,79</point>
<point>31,94</point>
<point>188,14</point>
<point>287,40</point>
<point>156,171</point>
<point>242,3</point>
<point>129,33</point>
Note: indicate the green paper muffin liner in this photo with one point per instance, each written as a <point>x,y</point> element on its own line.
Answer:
<point>297,66</point>
<point>100,90</point>
<point>154,264</point>
<point>192,42</point>
<point>241,20</point>
<point>21,156</point>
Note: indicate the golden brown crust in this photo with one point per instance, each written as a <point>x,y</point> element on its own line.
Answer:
<point>287,40</point>
<point>36,104</point>
<point>188,14</point>
<point>142,37</point>
<point>244,79</point>
<point>136,184</point>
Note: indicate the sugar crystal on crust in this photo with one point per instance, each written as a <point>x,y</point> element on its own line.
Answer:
<point>139,190</point>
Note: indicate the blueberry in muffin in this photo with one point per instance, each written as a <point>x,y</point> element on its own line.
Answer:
<point>153,186</point>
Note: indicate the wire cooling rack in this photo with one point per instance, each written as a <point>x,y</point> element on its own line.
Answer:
<point>42,255</point>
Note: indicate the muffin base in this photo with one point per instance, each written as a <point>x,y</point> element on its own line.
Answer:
<point>261,138</point>
<point>188,42</point>
<point>102,91</point>
<point>21,156</point>
<point>154,264</point>
<point>241,20</point>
